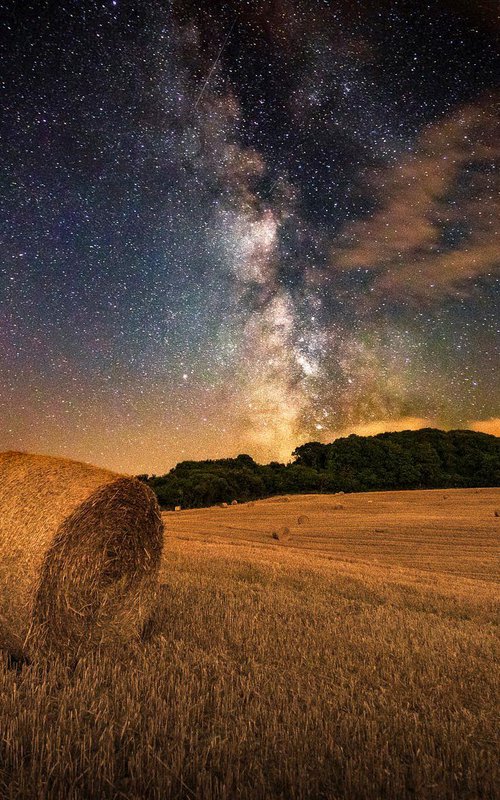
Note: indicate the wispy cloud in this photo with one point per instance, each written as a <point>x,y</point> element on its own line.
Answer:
<point>491,425</point>
<point>436,223</point>
<point>383,425</point>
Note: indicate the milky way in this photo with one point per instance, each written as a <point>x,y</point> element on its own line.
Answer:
<point>236,227</point>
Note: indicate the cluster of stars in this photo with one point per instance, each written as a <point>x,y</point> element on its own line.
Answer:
<point>234,229</point>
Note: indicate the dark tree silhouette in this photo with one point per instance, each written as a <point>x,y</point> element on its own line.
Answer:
<point>423,459</point>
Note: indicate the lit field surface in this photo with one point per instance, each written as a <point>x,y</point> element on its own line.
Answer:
<point>352,657</point>
<point>451,531</point>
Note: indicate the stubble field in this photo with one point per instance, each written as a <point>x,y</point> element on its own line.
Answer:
<point>354,654</point>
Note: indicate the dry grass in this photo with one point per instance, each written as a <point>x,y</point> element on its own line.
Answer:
<point>343,664</point>
<point>80,551</point>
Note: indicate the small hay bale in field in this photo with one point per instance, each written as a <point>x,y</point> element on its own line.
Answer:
<point>177,508</point>
<point>80,551</point>
<point>234,502</point>
<point>282,534</point>
<point>302,519</point>
<point>339,506</point>
<point>223,505</point>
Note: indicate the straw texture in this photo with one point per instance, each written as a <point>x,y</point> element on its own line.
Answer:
<point>80,550</point>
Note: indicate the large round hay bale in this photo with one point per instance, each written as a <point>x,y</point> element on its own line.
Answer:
<point>80,551</point>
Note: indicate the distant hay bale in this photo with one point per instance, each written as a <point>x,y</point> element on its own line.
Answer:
<point>177,508</point>
<point>282,534</point>
<point>234,502</point>
<point>223,505</point>
<point>80,551</point>
<point>302,519</point>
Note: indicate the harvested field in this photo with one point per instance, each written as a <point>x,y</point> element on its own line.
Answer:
<point>354,659</point>
<point>453,531</point>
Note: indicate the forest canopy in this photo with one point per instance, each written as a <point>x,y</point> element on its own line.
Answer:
<point>422,459</point>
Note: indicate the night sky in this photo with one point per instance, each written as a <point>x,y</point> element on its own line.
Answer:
<point>236,227</point>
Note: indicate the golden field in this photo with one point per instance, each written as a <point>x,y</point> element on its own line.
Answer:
<point>354,656</point>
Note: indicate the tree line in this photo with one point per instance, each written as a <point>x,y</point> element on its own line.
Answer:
<point>422,459</point>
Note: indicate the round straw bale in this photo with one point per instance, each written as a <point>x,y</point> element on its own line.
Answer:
<point>282,534</point>
<point>80,551</point>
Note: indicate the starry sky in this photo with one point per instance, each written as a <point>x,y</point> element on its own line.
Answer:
<point>235,227</point>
